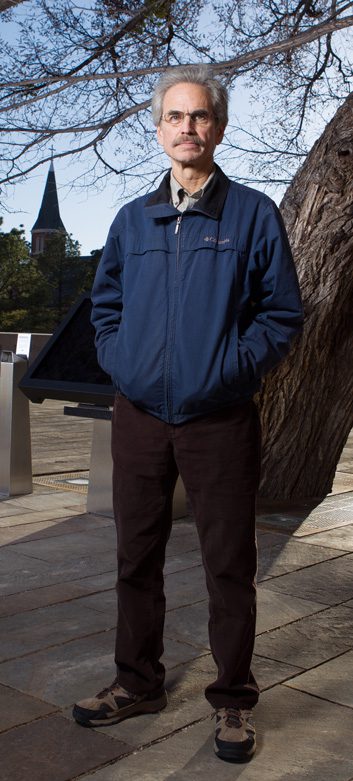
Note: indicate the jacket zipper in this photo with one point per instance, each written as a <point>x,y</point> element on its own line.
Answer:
<point>172,329</point>
<point>179,219</point>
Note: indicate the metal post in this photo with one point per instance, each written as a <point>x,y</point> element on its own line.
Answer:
<point>99,499</point>
<point>15,433</point>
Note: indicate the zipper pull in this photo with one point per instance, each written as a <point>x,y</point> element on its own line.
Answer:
<point>178,223</point>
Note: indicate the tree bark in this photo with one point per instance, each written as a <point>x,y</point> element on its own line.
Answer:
<point>5,5</point>
<point>307,402</point>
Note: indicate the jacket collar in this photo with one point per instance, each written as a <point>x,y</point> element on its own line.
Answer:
<point>211,203</point>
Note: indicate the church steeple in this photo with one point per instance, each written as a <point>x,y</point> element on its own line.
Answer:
<point>48,221</point>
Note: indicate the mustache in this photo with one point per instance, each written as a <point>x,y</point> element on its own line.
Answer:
<point>187,137</point>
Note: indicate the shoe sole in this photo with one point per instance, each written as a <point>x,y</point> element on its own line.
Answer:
<point>136,709</point>
<point>232,755</point>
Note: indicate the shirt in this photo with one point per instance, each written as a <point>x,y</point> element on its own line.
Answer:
<point>181,198</point>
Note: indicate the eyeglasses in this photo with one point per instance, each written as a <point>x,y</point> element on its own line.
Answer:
<point>198,117</point>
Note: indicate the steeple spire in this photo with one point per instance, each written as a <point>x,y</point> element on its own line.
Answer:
<point>52,158</point>
<point>48,221</point>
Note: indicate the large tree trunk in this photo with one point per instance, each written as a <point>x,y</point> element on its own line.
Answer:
<point>5,5</point>
<point>307,403</point>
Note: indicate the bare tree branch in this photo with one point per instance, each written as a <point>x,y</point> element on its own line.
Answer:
<point>84,76</point>
<point>233,65</point>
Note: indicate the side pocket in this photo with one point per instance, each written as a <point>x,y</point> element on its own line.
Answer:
<point>107,356</point>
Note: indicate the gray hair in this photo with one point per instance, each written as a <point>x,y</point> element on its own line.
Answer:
<point>194,74</point>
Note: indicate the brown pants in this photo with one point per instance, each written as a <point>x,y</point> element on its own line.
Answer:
<point>218,458</point>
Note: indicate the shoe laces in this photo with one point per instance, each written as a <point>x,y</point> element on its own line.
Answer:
<point>233,716</point>
<point>108,689</point>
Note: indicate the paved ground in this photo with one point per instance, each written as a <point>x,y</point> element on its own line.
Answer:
<point>57,637</point>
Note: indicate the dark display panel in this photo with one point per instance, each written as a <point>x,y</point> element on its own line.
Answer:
<point>67,368</point>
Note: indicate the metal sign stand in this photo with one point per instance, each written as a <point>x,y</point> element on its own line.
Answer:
<point>99,498</point>
<point>15,433</point>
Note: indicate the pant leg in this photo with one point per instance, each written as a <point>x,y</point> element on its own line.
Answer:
<point>218,457</point>
<point>144,477</point>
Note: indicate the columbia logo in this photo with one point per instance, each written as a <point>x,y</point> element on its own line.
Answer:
<point>214,240</point>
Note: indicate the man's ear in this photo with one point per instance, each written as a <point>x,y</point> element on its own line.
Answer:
<point>159,135</point>
<point>219,134</point>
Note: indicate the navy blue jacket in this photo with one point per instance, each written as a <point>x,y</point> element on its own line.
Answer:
<point>192,309</point>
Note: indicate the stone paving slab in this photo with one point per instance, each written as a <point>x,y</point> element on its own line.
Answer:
<point>46,574</point>
<point>310,641</point>
<point>41,628</point>
<point>189,624</point>
<point>186,701</point>
<point>274,610</point>
<point>330,582</point>
<point>187,679</point>
<point>183,538</point>
<point>103,602</point>
<point>55,437</point>
<point>304,648</point>
<point>40,597</point>
<point>12,561</point>
<point>49,500</point>
<point>108,532</point>
<point>79,668</point>
<point>179,713</point>
<point>181,588</point>
<point>25,517</point>
<point>27,532</point>
<point>268,672</point>
<point>343,478</point>
<point>64,673</point>
<point>335,501</point>
<point>331,518</point>
<point>298,740</point>
<point>306,518</point>
<point>102,581</point>
<point>290,555</point>
<point>8,509</point>
<point>346,465</point>
<point>182,543</point>
<point>332,680</point>
<point>341,538</point>
<point>17,708</point>
<point>10,535</point>
<point>185,587</point>
<point>180,561</point>
<point>64,548</point>
<point>53,748</point>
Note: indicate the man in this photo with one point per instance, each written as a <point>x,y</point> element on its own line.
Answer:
<point>195,299</point>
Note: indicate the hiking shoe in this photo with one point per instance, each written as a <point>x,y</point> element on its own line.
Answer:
<point>235,739</point>
<point>115,704</point>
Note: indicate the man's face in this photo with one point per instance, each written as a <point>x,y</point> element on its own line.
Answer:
<point>189,143</point>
